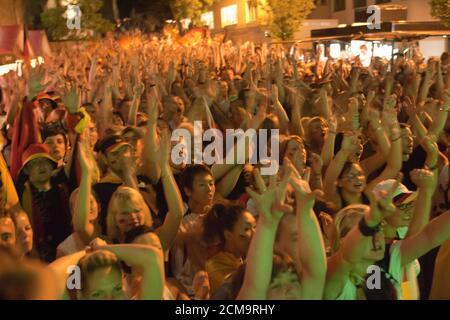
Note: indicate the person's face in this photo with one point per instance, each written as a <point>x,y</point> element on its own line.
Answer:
<point>239,238</point>
<point>39,170</point>
<point>104,284</point>
<point>177,116</point>
<point>292,147</point>
<point>284,286</point>
<point>24,234</point>
<point>130,216</point>
<point>288,235</point>
<point>317,131</point>
<point>117,121</point>
<point>407,142</point>
<point>93,209</point>
<point>203,189</point>
<point>119,158</point>
<point>134,141</point>
<point>7,233</point>
<point>402,216</point>
<point>223,88</point>
<point>57,146</point>
<point>46,107</point>
<point>354,180</point>
<point>93,134</point>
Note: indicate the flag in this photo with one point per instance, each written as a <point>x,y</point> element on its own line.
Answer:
<point>25,132</point>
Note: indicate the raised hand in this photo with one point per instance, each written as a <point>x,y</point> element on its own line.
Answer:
<point>71,99</point>
<point>270,200</point>
<point>300,185</point>
<point>316,163</point>
<point>381,204</point>
<point>423,178</point>
<point>97,244</point>
<point>350,142</point>
<point>138,89</point>
<point>35,81</point>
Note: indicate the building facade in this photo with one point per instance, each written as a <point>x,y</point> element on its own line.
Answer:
<point>351,11</point>
<point>240,19</point>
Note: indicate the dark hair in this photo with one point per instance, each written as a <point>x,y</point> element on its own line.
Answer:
<point>219,219</point>
<point>347,166</point>
<point>119,115</point>
<point>51,131</point>
<point>191,172</point>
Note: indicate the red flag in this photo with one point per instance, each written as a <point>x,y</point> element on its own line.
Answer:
<point>25,132</point>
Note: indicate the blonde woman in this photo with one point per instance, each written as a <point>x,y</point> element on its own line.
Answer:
<point>129,218</point>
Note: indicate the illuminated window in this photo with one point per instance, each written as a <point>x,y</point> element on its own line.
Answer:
<point>252,9</point>
<point>229,15</point>
<point>208,19</point>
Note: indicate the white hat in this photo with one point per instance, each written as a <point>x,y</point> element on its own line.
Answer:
<point>401,195</point>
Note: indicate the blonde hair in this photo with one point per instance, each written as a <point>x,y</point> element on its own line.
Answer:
<point>119,198</point>
<point>342,221</point>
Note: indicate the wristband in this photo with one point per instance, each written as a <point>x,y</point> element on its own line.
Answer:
<point>366,230</point>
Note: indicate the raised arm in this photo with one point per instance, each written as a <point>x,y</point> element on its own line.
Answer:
<point>425,181</point>
<point>436,232</point>
<point>149,259</point>
<point>228,182</point>
<point>260,253</point>
<point>354,246</point>
<point>151,163</point>
<point>311,250</point>
<point>394,161</point>
<point>168,231</point>
<point>138,89</point>
<point>81,224</point>
<point>349,144</point>
<point>328,146</point>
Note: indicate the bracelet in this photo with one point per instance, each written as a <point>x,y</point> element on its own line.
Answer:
<point>366,230</point>
<point>396,139</point>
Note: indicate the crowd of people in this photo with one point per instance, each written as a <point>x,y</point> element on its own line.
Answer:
<point>93,205</point>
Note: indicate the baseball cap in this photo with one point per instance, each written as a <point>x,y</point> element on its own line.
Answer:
<point>111,143</point>
<point>402,194</point>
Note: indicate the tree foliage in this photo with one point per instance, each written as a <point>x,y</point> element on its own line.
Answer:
<point>440,9</point>
<point>192,9</point>
<point>92,23</point>
<point>284,17</point>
